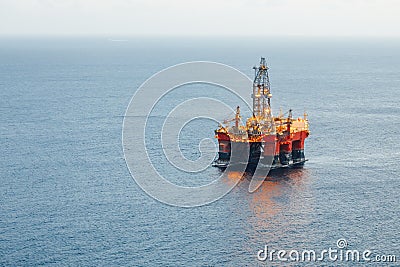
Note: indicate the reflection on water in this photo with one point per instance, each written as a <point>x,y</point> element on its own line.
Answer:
<point>278,211</point>
<point>232,177</point>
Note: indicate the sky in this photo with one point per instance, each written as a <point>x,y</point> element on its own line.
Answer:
<point>201,18</point>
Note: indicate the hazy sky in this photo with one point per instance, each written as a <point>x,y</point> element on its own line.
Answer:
<point>207,17</point>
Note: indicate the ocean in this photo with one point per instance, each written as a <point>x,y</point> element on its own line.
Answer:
<point>66,194</point>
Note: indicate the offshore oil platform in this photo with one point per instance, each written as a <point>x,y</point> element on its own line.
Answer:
<point>273,142</point>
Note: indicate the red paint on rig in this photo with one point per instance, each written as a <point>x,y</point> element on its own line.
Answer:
<point>276,142</point>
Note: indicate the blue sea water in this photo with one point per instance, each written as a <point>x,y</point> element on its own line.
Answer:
<point>67,197</point>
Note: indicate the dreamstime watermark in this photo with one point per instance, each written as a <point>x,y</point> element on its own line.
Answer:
<point>134,132</point>
<point>340,253</point>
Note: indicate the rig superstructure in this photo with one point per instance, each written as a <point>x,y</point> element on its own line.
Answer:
<point>276,142</point>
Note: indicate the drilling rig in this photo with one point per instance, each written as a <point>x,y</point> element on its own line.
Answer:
<point>273,142</point>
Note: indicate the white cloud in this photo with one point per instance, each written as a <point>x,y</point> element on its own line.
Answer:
<point>207,17</point>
